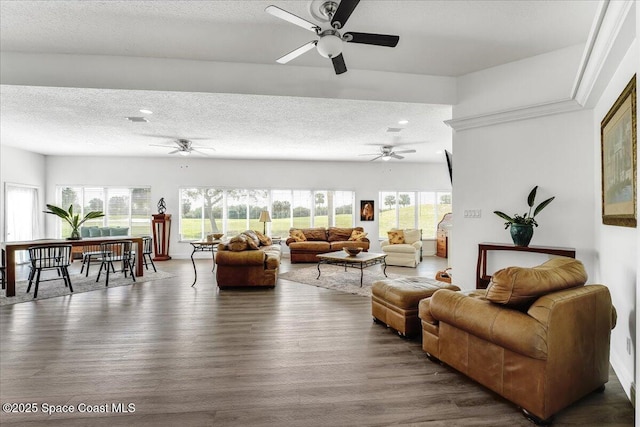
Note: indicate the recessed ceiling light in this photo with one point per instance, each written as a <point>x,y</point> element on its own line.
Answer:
<point>145,111</point>
<point>403,122</point>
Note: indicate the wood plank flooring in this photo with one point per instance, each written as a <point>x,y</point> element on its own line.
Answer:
<point>296,355</point>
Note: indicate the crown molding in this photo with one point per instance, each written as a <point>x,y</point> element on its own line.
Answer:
<point>604,31</point>
<point>514,114</point>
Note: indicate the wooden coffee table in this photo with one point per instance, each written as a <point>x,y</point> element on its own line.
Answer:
<point>361,261</point>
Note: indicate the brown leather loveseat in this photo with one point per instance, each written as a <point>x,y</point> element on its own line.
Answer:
<point>537,336</point>
<point>305,243</point>
<point>249,259</point>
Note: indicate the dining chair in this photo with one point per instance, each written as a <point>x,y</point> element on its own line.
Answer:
<point>50,257</point>
<point>147,243</point>
<point>89,252</point>
<point>113,252</point>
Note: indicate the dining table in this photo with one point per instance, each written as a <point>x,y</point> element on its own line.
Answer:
<point>10,249</point>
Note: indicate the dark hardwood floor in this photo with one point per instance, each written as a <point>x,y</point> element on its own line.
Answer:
<point>296,355</point>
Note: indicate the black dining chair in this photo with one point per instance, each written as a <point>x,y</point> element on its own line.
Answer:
<point>116,252</point>
<point>147,243</point>
<point>52,257</point>
<point>89,252</point>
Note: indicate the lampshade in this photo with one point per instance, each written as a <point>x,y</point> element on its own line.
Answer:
<point>264,216</point>
<point>329,46</point>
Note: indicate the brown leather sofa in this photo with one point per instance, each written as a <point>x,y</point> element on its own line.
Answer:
<point>537,336</point>
<point>320,240</point>
<point>247,267</point>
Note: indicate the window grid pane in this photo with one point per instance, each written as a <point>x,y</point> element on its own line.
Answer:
<point>235,210</point>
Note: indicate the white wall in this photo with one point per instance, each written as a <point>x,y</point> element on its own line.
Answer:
<point>617,247</point>
<point>497,164</point>
<point>166,176</point>
<point>20,167</point>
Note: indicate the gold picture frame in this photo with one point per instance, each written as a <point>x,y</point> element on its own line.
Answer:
<point>618,138</point>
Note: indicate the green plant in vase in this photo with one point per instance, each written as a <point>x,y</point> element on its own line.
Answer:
<point>73,219</point>
<point>522,225</point>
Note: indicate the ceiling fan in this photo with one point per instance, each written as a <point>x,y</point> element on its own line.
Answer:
<point>329,44</point>
<point>184,147</point>
<point>387,152</point>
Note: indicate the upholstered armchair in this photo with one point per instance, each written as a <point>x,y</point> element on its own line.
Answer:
<point>403,247</point>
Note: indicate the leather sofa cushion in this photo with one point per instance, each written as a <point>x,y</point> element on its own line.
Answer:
<point>339,234</point>
<point>407,292</point>
<point>520,286</point>
<point>310,246</point>
<point>315,234</point>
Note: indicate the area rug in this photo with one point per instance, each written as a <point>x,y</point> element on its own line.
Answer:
<point>80,284</point>
<point>335,277</point>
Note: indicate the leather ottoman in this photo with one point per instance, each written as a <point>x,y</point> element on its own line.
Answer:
<point>394,302</point>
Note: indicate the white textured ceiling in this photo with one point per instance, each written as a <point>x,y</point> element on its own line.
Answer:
<point>439,38</point>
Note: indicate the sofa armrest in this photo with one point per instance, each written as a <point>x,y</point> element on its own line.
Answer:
<point>503,326</point>
<point>417,245</point>
<point>385,243</point>
<point>249,257</point>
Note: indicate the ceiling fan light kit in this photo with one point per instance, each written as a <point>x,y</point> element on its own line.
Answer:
<point>329,44</point>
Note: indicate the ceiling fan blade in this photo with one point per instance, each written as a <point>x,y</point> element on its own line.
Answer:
<point>370,38</point>
<point>290,17</point>
<point>297,52</point>
<point>175,151</point>
<point>203,148</point>
<point>193,150</point>
<point>405,151</point>
<point>343,13</point>
<point>338,64</point>
<point>376,158</point>
<point>158,145</point>
<point>395,156</point>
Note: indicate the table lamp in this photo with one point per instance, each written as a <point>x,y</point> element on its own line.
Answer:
<point>264,218</point>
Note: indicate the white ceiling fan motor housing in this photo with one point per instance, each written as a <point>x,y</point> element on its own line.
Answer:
<point>330,44</point>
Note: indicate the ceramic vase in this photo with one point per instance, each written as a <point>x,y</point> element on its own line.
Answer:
<point>521,234</point>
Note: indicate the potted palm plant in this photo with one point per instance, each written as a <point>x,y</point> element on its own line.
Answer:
<point>522,225</point>
<point>73,219</point>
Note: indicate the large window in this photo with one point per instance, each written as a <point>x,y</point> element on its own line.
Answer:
<point>412,209</point>
<point>123,207</point>
<point>232,211</point>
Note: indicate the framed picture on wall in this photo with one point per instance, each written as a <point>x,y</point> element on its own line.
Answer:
<point>618,137</point>
<point>366,210</point>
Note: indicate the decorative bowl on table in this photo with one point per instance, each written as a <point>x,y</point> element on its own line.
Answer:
<point>217,236</point>
<point>352,251</point>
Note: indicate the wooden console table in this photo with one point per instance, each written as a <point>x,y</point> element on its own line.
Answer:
<point>482,279</point>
